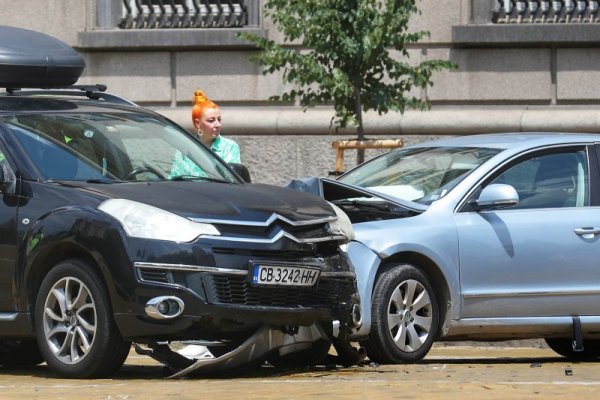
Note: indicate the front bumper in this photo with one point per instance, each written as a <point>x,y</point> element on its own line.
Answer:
<point>265,340</point>
<point>366,263</point>
<point>219,303</point>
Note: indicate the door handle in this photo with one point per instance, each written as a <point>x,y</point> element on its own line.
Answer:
<point>587,232</point>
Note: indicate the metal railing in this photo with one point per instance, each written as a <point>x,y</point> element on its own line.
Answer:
<point>545,11</point>
<point>161,14</point>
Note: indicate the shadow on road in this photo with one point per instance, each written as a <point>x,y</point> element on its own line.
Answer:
<point>132,372</point>
<point>504,360</point>
<point>150,372</point>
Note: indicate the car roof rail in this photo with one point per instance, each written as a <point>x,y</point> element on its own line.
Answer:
<point>94,92</point>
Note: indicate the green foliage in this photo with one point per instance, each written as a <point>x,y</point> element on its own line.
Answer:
<point>353,55</point>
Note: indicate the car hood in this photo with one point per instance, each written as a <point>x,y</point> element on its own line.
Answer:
<point>359,204</point>
<point>216,201</point>
<point>333,190</point>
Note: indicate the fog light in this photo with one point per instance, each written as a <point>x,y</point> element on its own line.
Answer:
<point>164,307</point>
<point>356,316</point>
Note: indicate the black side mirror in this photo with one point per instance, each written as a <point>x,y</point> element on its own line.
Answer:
<point>242,171</point>
<point>7,178</point>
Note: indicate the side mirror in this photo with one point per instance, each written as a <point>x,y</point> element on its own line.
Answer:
<point>7,177</point>
<point>242,171</point>
<point>497,195</point>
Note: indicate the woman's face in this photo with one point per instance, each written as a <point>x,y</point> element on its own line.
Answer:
<point>209,123</point>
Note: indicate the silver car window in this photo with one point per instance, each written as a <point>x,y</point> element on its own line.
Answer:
<point>419,174</point>
<point>550,181</point>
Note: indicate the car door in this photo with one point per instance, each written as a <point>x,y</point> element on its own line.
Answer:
<point>8,235</point>
<point>540,257</point>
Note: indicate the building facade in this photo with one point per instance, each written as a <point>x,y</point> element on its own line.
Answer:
<point>522,66</point>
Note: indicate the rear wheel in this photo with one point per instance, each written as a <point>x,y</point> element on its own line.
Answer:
<point>75,330</point>
<point>405,316</point>
<point>564,347</point>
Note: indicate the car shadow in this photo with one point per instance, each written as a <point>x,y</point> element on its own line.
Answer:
<point>151,372</point>
<point>505,360</point>
<point>131,372</point>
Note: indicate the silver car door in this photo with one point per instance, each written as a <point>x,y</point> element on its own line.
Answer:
<point>540,257</point>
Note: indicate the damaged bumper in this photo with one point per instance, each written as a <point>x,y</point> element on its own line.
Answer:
<point>264,341</point>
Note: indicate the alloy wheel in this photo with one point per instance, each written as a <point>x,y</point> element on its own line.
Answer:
<point>409,315</point>
<point>69,320</point>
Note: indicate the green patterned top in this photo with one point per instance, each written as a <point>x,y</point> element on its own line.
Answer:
<point>225,148</point>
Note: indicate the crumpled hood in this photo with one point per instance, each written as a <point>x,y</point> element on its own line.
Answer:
<point>332,190</point>
<point>217,201</point>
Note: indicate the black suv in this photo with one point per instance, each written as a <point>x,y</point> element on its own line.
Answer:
<point>104,241</point>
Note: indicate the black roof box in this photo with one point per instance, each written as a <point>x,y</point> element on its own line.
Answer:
<point>30,59</point>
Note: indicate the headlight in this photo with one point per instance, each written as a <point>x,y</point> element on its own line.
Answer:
<point>342,224</point>
<point>143,221</point>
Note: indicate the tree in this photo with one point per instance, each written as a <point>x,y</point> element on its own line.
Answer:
<point>346,57</point>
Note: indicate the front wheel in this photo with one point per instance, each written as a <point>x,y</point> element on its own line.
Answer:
<point>75,330</point>
<point>405,316</point>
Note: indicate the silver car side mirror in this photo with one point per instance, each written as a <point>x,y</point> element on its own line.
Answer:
<point>496,195</point>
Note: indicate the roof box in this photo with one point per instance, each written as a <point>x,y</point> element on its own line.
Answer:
<point>30,59</point>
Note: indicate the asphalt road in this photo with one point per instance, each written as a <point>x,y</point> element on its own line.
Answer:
<point>449,372</point>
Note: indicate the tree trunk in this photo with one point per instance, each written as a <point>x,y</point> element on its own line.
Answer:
<point>360,130</point>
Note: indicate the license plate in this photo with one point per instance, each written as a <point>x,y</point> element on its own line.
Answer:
<point>284,275</point>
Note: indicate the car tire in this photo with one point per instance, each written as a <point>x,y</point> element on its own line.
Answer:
<point>75,330</point>
<point>19,353</point>
<point>404,316</point>
<point>563,346</point>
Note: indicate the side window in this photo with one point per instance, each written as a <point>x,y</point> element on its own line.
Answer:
<point>552,180</point>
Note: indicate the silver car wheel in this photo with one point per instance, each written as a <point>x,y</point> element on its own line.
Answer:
<point>69,320</point>
<point>409,315</point>
<point>404,316</point>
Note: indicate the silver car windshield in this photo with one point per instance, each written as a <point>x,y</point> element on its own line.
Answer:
<point>114,147</point>
<point>421,174</point>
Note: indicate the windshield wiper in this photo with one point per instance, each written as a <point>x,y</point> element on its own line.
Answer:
<point>359,203</point>
<point>198,178</point>
<point>385,209</point>
<point>100,180</point>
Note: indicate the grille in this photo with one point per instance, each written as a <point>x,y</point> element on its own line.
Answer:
<point>300,231</point>
<point>324,250</point>
<point>155,275</point>
<point>225,289</point>
<point>314,231</point>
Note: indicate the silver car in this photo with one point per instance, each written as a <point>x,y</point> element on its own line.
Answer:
<point>486,237</point>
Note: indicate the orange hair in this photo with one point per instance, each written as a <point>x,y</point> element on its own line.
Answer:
<point>201,103</point>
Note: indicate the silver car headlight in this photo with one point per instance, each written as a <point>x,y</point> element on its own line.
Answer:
<point>342,224</point>
<point>144,221</point>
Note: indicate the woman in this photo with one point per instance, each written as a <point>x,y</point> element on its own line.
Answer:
<point>206,117</point>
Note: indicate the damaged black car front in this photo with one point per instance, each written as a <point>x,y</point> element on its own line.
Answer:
<point>118,227</point>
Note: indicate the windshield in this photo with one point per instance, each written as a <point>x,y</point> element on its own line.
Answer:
<point>421,174</point>
<point>113,147</point>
